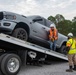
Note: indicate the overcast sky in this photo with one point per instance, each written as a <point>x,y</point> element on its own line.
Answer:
<point>44,8</point>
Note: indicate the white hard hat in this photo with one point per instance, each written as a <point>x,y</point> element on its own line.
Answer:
<point>70,35</point>
<point>52,25</point>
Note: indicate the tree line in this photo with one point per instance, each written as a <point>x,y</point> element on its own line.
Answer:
<point>63,25</point>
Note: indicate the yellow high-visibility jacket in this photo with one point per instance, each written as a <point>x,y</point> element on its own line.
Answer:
<point>72,44</point>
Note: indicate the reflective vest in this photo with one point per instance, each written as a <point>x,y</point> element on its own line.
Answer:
<point>53,34</point>
<point>72,44</point>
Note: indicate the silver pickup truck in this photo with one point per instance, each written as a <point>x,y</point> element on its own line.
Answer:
<point>29,28</point>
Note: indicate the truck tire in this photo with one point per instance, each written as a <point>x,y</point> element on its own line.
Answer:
<point>1,58</point>
<point>20,33</point>
<point>63,49</point>
<point>11,64</point>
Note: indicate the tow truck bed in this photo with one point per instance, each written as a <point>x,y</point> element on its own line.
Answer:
<point>5,39</point>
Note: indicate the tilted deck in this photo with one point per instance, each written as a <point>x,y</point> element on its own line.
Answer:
<point>18,42</point>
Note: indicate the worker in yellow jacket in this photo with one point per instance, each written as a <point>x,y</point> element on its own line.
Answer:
<point>71,53</point>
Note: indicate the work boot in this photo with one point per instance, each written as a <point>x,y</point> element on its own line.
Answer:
<point>74,68</point>
<point>70,69</point>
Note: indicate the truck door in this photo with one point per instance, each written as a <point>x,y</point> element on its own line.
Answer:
<point>44,30</point>
<point>38,28</point>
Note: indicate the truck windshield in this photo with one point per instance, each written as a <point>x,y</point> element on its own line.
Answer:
<point>1,15</point>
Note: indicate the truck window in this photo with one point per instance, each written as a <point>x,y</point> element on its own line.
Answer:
<point>1,15</point>
<point>41,22</point>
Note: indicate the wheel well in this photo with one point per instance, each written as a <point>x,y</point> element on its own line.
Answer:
<point>22,25</point>
<point>64,43</point>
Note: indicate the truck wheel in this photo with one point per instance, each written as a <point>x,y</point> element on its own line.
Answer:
<point>20,33</point>
<point>63,49</point>
<point>11,64</point>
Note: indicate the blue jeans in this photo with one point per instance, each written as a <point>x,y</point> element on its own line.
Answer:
<point>53,45</point>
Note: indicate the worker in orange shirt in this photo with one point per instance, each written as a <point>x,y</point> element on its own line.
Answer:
<point>53,36</point>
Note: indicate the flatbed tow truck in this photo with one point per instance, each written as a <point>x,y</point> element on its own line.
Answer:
<point>14,52</point>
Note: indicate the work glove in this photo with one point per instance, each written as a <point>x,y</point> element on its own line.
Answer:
<point>52,39</point>
<point>67,49</point>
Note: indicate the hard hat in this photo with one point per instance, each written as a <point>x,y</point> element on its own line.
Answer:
<point>52,25</point>
<point>70,35</point>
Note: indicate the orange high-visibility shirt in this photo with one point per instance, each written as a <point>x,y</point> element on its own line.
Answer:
<point>53,34</point>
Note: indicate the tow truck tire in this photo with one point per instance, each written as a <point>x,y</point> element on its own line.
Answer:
<point>11,64</point>
<point>1,58</point>
<point>20,33</point>
<point>63,49</point>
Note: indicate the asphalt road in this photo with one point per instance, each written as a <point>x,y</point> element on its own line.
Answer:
<point>56,68</point>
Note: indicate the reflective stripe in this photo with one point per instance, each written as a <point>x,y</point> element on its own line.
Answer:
<point>72,48</point>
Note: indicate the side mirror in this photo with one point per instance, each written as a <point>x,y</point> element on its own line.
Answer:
<point>34,20</point>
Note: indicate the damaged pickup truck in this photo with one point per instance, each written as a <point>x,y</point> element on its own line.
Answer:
<point>29,28</point>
